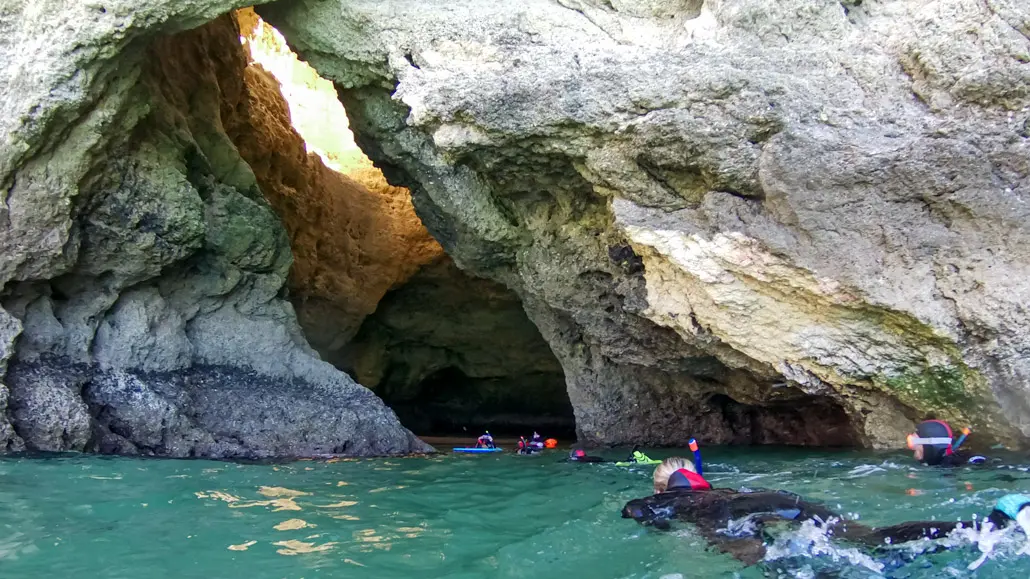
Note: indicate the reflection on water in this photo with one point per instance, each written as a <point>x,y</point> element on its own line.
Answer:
<point>338,505</point>
<point>281,492</point>
<point>295,547</point>
<point>242,546</point>
<point>279,504</point>
<point>461,516</point>
<point>293,525</point>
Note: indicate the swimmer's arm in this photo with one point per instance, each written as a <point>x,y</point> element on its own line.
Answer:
<point>897,534</point>
<point>747,550</point>
<point>645,515</point>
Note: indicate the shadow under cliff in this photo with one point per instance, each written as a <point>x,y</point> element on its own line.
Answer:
<point>450,352</point>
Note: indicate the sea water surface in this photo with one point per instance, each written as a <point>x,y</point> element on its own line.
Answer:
<point>458,516</point>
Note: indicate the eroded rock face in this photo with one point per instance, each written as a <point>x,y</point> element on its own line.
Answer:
<point>807,200</point>
<point>142,268</point>
<point>449,352</point>
<point>352,238</point>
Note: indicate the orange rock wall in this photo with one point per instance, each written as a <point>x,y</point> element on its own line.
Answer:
<point>353,237</point>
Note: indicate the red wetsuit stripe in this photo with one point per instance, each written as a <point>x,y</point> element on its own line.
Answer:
<point>697,482</point>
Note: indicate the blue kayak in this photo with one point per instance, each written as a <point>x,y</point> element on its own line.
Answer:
<point>476,450</point>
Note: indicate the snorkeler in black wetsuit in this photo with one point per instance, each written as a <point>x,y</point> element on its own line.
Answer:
<point>689,497</point>
<point>933,444</point>
<point>711,512</point>
<point>580,455</point>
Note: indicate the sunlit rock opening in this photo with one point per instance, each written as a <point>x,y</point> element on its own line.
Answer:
<point>449,353</point>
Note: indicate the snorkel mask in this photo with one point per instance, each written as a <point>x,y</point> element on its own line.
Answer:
<point>936,439</point>
<point>914,439</point>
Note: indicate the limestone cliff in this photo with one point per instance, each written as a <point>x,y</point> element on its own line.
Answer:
<point>721,213</point>
<point>143,272</point>
<point>796,221</point>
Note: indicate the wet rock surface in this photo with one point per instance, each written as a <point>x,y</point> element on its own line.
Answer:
<point>203,411</point>
<point>805,200</point>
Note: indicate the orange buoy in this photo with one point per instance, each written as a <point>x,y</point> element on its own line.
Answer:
<point>551,443</point>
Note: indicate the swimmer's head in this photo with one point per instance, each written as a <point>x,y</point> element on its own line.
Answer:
<point>1011,507</point>
<point>666,469</point>
<point>577,453</point>
<point>931,441</point>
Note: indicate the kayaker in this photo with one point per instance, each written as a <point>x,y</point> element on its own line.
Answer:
<point>680,493</point>
<point>485,441</point>
<point>932,444</point>
<point>537,442</point>
<point>638,457</point>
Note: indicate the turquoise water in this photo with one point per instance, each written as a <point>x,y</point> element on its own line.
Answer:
<point>442,516</point>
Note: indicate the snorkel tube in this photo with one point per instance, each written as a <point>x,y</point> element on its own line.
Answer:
<point>697,455</point>
<point>961,439</point>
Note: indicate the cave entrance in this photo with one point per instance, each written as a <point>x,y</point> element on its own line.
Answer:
<point>453,354</point>
<point>804,420</point>
<point>449,402</point>
<point>374,293</point>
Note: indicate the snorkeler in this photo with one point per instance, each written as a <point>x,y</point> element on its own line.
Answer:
<point>1011,509</point>
<point>682,493</point>
<point>537,442</point>
<point>932,444</point>
<point>527,447</point>
<point>485,441</point>
<point>580,455</point>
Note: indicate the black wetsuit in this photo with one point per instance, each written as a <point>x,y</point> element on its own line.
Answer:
<point>943,454</point>
<point>712,510</point>
<point>585,459</point>
<point>958,459</point>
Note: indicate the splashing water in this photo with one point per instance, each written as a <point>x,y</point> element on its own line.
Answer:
<point>991,542</point>
<point>812,539</point>
<point>1023,520</point>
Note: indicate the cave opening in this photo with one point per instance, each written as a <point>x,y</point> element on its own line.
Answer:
<point>471,360</point>
<point>375,294</point>
<point>448,402</point>
<point>802,420</point>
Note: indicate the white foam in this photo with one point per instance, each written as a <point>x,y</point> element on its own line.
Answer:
<point>864,470</point>
<point>811,540</point>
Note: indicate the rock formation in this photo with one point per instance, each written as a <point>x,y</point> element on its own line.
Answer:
<point>737,219</point>
<point>143,272</point>
<point>800,221</point>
